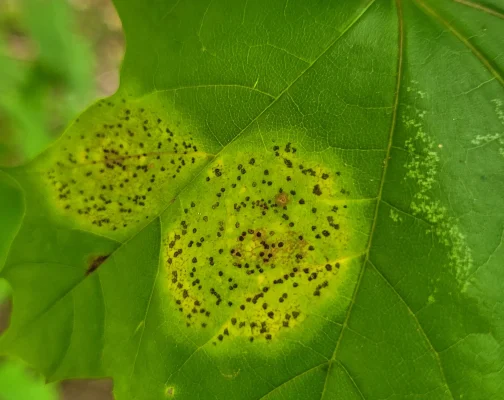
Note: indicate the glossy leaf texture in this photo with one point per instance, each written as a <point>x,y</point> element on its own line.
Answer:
<point>285,199</point>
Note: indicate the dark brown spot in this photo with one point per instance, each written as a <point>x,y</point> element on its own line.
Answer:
<point>281,199</point>
<point>94,263</point>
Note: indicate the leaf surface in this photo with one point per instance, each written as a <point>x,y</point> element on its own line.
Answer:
<point>283,200</point>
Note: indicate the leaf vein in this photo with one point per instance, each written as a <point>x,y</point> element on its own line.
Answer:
<point>382,181</point>
<point>351,379</point>
<point>57,363</point>
<point>419,326</point>
<point>481,7</point>
<point>293,378</point>
<point>285,90</point>
<point>213,86</point>
<point>435,16</point>
<point>145,320</point>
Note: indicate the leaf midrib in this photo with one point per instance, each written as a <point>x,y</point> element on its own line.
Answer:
<point>380,191</point>
<point>431,13</point>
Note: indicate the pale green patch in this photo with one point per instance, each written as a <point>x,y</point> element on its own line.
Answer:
<point>394,215</point>
<point>484,139</point>
<point>480,140</point>
<point>413,89</point>
<point>422,168</point>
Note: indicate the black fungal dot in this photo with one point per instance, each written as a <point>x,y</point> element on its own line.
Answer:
<point>316,190</point>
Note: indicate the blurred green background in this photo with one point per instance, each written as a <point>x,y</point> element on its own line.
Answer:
<point>17,382</point>
<point>56,58</point>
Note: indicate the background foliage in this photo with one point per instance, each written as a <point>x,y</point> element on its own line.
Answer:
<point>56,58</point>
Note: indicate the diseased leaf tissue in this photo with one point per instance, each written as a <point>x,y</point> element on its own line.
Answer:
<point>263,245</point>
<point>109,177</point>
<point>283,200</point>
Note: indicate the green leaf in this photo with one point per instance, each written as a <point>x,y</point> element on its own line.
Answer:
<point>11,215</point>
<point>283,200</point>
<point>16,383</point>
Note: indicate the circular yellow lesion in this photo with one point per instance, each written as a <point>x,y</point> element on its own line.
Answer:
<point>117,168</point>
<point>260,243</point>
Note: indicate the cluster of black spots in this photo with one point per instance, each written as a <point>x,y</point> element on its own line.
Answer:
<point>108,173</point>
<point>253,246</point>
